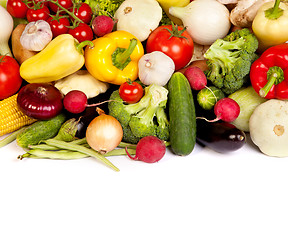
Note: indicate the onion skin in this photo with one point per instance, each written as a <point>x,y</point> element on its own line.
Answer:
<point>104,133</point>
<point>40,100</point>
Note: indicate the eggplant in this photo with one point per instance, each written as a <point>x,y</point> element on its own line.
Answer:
<point>220,136</point>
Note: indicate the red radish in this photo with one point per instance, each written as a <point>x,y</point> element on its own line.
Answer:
<point>102,25</point>
<point>75,101</point>
<point>226,109</point>
<point>196,78</point>
<point>149,149</point>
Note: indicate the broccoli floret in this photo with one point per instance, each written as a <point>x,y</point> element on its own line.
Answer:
<point>104,7</point>
<point>165,19</point>
<point>251,42</point>
<point>128,136</point>
<point>145,118</point>
<point>162,130</point>
<point>143,124</point>
<point>229,60</point>
<point>116,108</point>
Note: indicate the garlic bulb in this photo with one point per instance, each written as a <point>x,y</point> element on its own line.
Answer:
<point>155,67</point>
<point>36,35</point>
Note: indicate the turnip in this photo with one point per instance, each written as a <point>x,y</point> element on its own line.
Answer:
<point>196,77</point>
<point>149,149</point>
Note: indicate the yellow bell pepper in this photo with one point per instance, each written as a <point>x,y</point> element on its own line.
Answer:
<point>114,57</point>
<point>166,4</point>
<point>270,24</point>
<point>63,56</point>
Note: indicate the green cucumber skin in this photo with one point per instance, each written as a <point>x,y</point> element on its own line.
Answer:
<point>182,115</point>
<point>40,130</point>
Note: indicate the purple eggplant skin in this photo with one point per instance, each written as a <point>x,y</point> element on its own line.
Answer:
<point>220,136</point>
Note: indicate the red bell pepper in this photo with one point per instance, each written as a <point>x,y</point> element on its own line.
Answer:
<point>269,73</point>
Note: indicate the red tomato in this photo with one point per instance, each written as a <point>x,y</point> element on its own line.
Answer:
<point>58,26</point>
<point>168,40</point>
<point>83,12</point>
<point>64,3</point>
<point>131,92</point>
<point>17,8</point>
<point>82,32</point>
<point>10,79</point>
<point>36,14</point>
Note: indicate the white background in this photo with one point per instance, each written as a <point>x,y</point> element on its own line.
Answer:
<point>203,196</point>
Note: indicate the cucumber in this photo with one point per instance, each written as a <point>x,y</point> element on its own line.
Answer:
<point>40,130</point>
<point>182,115</point>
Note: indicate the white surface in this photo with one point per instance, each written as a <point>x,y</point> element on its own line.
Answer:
<point>204,196</point>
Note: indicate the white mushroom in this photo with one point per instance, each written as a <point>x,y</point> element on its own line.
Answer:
<point>245,11</point>
<point>199,51</point>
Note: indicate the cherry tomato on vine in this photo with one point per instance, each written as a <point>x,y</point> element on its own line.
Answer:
<point>37,2</point>
<point>10,79</point>
<point>131,92</point>
<point>174,42</point>
<point>82,32</point>
<point>64,3</point>
<point>17,8</point>
<point>84,12</point>
<point>35,14</point>
<point>58,26</point>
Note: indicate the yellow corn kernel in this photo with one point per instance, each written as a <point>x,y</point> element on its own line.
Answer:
<point>11,117</point>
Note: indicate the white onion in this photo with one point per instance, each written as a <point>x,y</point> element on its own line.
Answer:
<point>206,20</point>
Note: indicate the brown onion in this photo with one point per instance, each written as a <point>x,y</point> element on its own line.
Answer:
<point>104,133</point>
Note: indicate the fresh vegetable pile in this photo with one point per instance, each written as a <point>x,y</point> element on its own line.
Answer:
<point>99,78</point>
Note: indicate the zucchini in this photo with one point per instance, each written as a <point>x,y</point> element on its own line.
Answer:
<point>40,130</point>
<point>182,115</point>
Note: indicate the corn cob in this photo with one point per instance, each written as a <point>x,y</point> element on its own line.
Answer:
<point>11,117</point>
